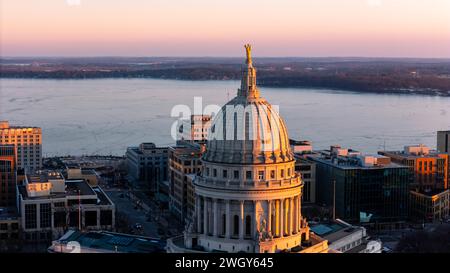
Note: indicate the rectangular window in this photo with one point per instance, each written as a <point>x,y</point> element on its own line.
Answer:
<point>272,174</point>
<point>224,173</point>
<point>46,217</point>
<point>261,175</point>
<point>215,172</point>
<point>236,174</point>
<point>30,216</point>
<point>248,175</point>
<point>282,173</point>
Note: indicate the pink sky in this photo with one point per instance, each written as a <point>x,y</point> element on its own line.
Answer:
<point>371,28</point>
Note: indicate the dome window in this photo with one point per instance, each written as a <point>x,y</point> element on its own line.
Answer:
<point>261,175</point>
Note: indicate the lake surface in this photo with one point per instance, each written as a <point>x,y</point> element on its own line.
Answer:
<point>107,115</point>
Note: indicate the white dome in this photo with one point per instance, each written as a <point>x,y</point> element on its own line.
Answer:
<point>248,130</point>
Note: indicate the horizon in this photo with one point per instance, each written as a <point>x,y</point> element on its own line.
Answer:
<point>220,57</point>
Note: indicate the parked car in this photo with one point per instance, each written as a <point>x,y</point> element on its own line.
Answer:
<point>137,226</point>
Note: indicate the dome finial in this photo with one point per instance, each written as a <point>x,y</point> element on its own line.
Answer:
<point>248,49</point>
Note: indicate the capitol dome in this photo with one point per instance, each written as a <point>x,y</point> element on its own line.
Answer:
<point>248,194</point>
<point>248,130</point>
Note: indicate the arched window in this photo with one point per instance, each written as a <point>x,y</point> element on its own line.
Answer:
<point>224,224</point>
<point>248,226</point>
<point>236,225</point>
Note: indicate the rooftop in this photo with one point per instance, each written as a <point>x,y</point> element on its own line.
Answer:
<point>357,161</point>
<point>104,241</point>
<point>43,176</point>
<point>334,230</point>
<point>73,188</point>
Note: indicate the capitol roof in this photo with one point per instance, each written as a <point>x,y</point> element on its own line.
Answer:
<point>248,129</point>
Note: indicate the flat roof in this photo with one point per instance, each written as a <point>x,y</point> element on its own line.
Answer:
<point>72,188</point>
<point>111,241</point>
<point>431,154</point>
<point>334,231</point>
<point>350,166</point>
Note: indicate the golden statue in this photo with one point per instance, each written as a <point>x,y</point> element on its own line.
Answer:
<point>248,48</point>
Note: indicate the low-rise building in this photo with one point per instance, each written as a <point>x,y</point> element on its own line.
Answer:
<point>75,241</point>
<point>75,172</point>
<point>343,237</point>
<point>429,205</point>
<point>429,168</point>
<point>147,164</point>
<point>49,205</point>
<point>362,188</point>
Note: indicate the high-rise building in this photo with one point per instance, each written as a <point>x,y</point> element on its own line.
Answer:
<point>184,161</point>
<point>7,176</point>
<point>28,143</point>
<point>195,129</point>
<point>148,164</point>
<point>248,195</point>
<point>443,141</point>
<point>362,188</point>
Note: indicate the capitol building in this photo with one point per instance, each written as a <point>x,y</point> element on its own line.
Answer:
<point>248,195</point>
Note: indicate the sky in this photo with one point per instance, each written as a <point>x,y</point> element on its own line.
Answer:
<point>277,28</point>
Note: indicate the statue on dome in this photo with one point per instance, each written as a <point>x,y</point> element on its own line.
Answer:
<point>248,49</point>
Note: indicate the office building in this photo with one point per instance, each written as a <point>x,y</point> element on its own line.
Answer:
<point>430,168</point>
<point>306,168</point>
<point>367,189</point>
<point>28,144</point>
<point>184,161</point>
<point>147,166</point>
<point>443,141</point>
<point>430,205</point>
<point>49,205</point>
<point>8,176</point>
<point>195,129</point>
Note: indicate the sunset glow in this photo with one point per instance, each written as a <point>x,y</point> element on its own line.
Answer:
<point>403,28</point>
<point>213,28</point>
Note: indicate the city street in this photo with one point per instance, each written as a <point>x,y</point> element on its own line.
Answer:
<point>135,214</point>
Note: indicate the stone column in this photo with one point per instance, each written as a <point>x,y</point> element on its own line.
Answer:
<point>198,208</point>
<point>282,225</point>
<point>277,218</point>
<point>205,216</point>
<point>299,207</point>
<point>255,219</point>
<point>295,215</point>
<point>241,218</point>
<point>291,215</point>
<point>269,216</point>
<point>228,220</point>
<point>216,218</point>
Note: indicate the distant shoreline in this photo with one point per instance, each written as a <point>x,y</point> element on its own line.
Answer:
<point>385,76</point>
